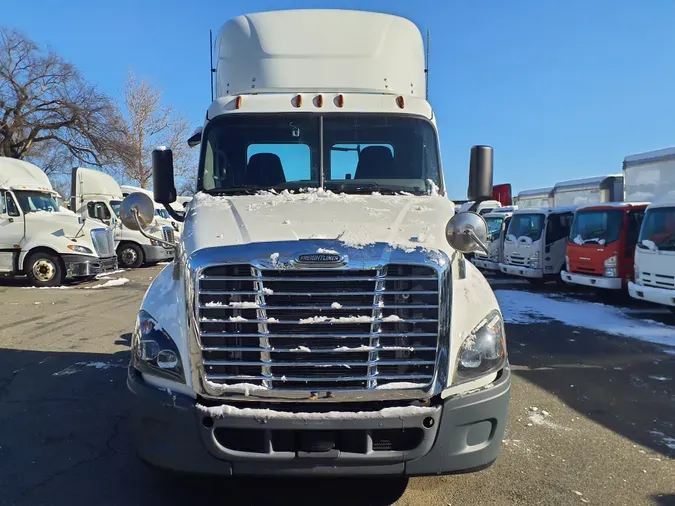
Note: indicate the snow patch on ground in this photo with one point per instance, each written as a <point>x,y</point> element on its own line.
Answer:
<point>528,308</point>
<point>79,366</point>
<point>106,275</point>
<point>108,284</point>
<point>46,287</point>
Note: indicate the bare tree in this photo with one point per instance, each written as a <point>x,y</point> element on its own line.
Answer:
<point>149,124</point>
<point>45,104</point>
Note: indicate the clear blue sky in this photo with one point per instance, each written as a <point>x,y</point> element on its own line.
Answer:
<point>560,89</point>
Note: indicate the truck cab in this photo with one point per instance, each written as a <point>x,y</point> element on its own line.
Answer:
<point>43,240</point>
<point>601,245</point>
<point>534,245</point>
<point>498,222</point>
<point>96,195</point>
<point>655,256</point>
<point>320,317</point>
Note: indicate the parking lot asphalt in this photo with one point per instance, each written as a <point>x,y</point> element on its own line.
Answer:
<point>592,417</point>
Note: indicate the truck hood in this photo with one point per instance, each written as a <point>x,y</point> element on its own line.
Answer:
<point>61,224</point>
<point>403,221</point>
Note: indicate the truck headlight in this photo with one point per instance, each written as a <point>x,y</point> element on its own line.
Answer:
<point>610,267</point>
<point>153,351</point>
<point>79,249</point>
<point>567,263</point>
<point>533,260</point>
<point>484,351</point>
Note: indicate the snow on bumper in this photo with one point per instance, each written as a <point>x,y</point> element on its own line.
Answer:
<point>649,293</point>
<point>594,281</point>
<point>483,263</point>
<point>458,434</point>
<point>517,270</point>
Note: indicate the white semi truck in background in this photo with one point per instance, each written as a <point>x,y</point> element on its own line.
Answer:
<point>319,317</point>
<point>650,177</point>
<point>43,240</point>
<point>96,195</point>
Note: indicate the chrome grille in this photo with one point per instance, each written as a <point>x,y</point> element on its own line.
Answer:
<point>168,234</point>
<point>319,329</point>
<point>103,241</point>
<point>516,260</point>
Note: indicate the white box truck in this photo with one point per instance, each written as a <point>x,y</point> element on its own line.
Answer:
<point>42,240</point>
<point>535,199</point>
<point>651,177</point>
<point>320,317</point>
<point>587,191</point>
<point>534,246</point>
<point>96,195</point>
<point>498,223</point>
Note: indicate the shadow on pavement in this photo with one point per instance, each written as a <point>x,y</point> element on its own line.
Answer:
<point>65,439</point>
<point>624,384</point>
<point>664,500</point>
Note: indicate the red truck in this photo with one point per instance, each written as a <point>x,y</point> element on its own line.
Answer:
<point>601,245</point>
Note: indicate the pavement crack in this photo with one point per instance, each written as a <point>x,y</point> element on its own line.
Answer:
<point>6,383</point>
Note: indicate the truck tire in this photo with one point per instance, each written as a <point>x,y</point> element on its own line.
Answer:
<point>44,269</point>
<point>129,255</point>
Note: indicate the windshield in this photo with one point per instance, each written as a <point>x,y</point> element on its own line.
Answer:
<point>658,229</point>
<point>361,154</point>
<point>115,204</point>
<point>494,227</point>
<point>599,227</point>
<point>33,201</point>
<point>526,225</point>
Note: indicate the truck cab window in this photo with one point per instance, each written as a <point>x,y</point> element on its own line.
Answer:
<point>93,208</point>
<point>3,205</point>
<point>12,208</point>
<point>558,227</point>
<point>344,158</point>
<point>272,164</point>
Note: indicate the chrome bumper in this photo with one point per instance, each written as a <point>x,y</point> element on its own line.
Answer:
<point>80,265</point>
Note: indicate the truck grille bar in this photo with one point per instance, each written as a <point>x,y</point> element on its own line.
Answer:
<point>323,329</point>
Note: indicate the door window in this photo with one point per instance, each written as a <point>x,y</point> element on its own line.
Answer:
<point>558,227</point>
<point>11,207</point>
<point>93,208</point>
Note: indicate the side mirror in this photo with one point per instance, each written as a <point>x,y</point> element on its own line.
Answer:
<point>100,213</point>
<point>467,232</point>
<point>162,176</point>
<point>137,205</point>
<point>480,173</point>
<point>196,138</point>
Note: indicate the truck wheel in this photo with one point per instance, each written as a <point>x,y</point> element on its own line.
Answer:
<point>130,256</point>
<point>44,269</point>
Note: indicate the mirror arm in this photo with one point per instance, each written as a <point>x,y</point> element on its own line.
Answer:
<point>145,234</point>
<point>480,243</point>
<point>176,215</point>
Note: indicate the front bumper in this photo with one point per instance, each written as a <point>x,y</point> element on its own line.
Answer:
<point>483,263</point>
<point>459,434</point>
<point>593,281</point>
<point>157,253</point>
<point>517,270</point>
<point>663,296</point>
<point>82,265</point>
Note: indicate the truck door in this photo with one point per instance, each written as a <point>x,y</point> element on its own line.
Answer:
<point>12,231</point>
<point>557,230</point>
<point>502,237</point>
<point>634,223</point>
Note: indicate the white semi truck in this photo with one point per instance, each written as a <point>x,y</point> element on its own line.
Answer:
<point>651,177</point>
<point>42,240</point>
<point>96,195</point>
<point>320,317</point>
<point>498,222</point>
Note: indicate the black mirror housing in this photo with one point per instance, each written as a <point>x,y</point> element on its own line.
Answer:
<point>196,138</point>
<point>163,186</point>
<point>480,173</point>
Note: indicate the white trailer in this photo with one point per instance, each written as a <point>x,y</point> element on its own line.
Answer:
<point>320,318</point>
<point>41,239</point>
<point>535,199</point>
<point>587,191</point>
<point>651,177</point>
<point>96,195</point>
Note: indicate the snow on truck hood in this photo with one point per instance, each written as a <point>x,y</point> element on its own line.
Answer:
<point>403,221</point>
